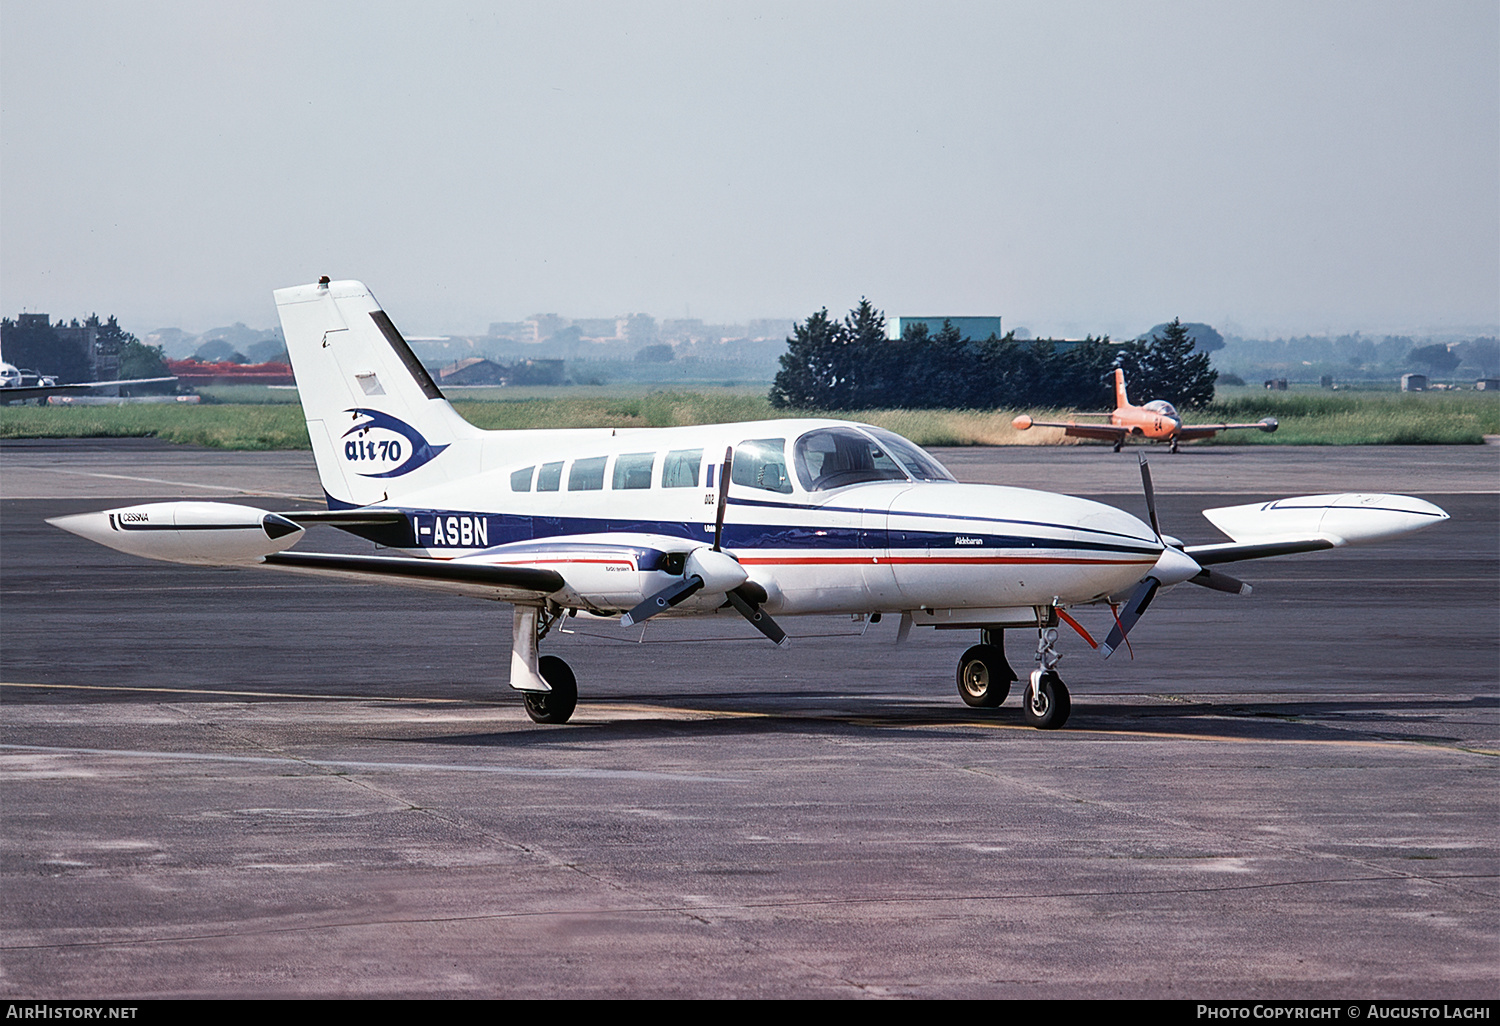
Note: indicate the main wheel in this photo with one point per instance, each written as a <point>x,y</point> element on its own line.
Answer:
<point>983,676</point>
<point>1046,706</point>
<point>557,705</point>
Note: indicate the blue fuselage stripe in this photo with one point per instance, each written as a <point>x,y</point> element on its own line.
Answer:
<point>448,529</point>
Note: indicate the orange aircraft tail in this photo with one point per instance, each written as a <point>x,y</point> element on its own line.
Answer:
<point>1120,399</point>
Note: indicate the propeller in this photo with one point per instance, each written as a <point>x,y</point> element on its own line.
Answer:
<point>1173,567</point>
<point>716,570</point>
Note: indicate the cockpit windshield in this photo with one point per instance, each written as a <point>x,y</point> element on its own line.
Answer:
<point>833,457</point>
<point>1162,406</point>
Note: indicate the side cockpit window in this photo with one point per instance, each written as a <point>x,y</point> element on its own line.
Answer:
<point>835,457</point>
<point>761,463</point>
<point>520,481</point>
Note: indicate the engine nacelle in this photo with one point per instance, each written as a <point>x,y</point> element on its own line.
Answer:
<point>206,533</point>
<point>1348,518</point>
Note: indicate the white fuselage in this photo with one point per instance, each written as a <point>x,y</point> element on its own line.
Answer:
<point>886,545</point>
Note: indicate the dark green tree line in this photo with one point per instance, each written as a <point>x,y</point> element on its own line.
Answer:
<point>851,365</point>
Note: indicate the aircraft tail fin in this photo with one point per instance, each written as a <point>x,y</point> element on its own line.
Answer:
<point>379,426</point>
<point>1121,400</point>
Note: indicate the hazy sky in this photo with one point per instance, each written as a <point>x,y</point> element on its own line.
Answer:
<point>1263,166</point>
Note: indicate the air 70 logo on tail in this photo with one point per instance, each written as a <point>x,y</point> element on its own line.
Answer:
<point>388,446</point>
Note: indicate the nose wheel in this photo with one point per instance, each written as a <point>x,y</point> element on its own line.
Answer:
<point>1046,705</point>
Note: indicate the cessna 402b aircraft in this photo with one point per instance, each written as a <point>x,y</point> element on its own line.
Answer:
<point>765,519</point>
<point>1158,421</point>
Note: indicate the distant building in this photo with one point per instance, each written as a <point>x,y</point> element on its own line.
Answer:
<point>1414,382</point>
<point>1487,384</point>
<point>479,371</point>
<point>196,372</point>
<point>597,327</point>
<point>516,331</point>
<point>474,371</point>
<point>977,328</point>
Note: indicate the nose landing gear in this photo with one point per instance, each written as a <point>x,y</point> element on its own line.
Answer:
<point>1045,704</point>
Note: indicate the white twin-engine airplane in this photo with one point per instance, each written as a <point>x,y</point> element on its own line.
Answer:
<point>765,519</point>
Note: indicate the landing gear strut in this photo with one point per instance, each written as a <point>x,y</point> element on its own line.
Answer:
<point>1045,703</point>
<point>546,682</point>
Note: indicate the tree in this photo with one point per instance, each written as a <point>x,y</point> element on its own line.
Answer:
<point>807,374</point>
<point>138,360</point>
<point>1437,358</point>
<point>30,342</point>
<point>1166,367</point>
<point>1483,354</point>
<point>1204,336</point>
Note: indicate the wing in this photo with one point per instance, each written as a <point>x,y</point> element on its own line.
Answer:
<point>1188,432</point>
<point>15,392</point>
<point>1107,432</point>
<point>1306,523</point>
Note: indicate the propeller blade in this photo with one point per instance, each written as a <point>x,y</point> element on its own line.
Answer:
<point>1220,581</point>
<point>758,617</point>
<point>1139,600</point>
<point>1150,496</point>
<point>723,497</point>
<point>663,600</point>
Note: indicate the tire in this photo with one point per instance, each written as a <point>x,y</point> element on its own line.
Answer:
<point>557,705</point>
<point>1047,706</point>
<point>983,677</point>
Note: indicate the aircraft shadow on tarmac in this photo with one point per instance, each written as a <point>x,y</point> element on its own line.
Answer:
<point>1324,720</point>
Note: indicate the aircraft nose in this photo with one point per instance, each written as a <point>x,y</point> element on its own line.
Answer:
<point>1108,521</point>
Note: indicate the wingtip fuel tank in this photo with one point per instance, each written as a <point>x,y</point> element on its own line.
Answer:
<point>209,533</point>
<point>1351,517</point>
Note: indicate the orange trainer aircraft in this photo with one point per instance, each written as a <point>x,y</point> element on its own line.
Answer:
<point>1158,420</point>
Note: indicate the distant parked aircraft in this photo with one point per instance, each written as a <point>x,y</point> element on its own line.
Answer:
<point>17,384</point>
<point>1158,420</point>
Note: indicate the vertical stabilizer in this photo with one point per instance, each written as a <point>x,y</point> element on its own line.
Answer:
<point>378,424</point>
<point>1121,400</point>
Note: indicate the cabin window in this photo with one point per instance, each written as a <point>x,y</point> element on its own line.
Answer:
<point>633,470</point>
<point>520,481</point>
<point>834,457</point>
<point>917,461</point>
<point>680,468</point>
<point>549,478</point>
<point>587,475</point>
<point>761,463</point>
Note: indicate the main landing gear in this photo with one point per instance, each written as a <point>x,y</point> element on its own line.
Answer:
<point>985,675</point>
<point>545,682</point>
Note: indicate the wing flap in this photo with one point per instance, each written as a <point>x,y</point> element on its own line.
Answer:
<point>1233,552</point>
<point>503,583</point>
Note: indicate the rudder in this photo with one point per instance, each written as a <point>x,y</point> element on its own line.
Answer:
<point>378,423</point>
